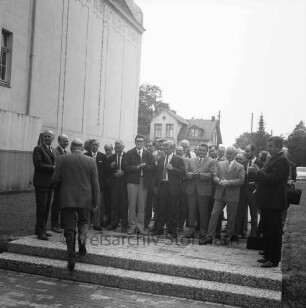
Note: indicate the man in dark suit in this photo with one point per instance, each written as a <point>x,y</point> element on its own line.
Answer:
<point>60,150</point>
<point>170,170</point>
<point>271,199</point>
<point>116,181</point>
<point>100,158</point>
<point>78,177</point>
<point>138,165</point>
<point>250,200</point>
<point>199,171</point>
<point>229,178</point>
<point>43,160</point>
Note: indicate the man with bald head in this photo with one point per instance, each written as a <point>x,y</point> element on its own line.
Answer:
<point>78,177</point>
<point>60,150</point>
<point>229,177</point>
<point>43,160</point>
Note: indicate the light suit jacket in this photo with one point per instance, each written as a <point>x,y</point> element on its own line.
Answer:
<point>78,178</point>
<point>202,181</point>
<point>235,176</point>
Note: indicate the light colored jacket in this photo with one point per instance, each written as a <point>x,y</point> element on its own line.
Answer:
<point>202,181</point>
<point>235,177</point>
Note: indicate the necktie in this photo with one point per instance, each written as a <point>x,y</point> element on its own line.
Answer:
<point>250,163</point>
<point>50,149</point>
<point>118,162</point>
<point>65,152</point>
<point>94,155</point>
<point>200,160</point>
<point>165,170</point>
<point>141,171</point>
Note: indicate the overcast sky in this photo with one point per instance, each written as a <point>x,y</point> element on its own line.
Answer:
<point>236,56</point>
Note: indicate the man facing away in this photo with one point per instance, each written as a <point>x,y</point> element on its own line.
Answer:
<point>199,171</point>
<point>79,195</point>
<point>138,165</point>
<point>100,159</point>
<point>270,196</point>
<point>229,178</point>
<point>60,150</point>
<point>43,160</point>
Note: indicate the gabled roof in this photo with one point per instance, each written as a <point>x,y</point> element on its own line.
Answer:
<point>207,127</point>
<point>175,116</point>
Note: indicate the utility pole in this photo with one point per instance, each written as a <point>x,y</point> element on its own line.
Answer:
<point>251,127</point>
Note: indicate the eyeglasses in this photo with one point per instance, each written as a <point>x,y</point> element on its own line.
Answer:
<point>139,141</point>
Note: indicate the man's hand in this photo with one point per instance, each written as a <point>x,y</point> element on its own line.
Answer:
<point>119,173</point>
<point>95,207</point>
<point>113,165</point>
<point>253,169</point>
<point>169,167</point>
<point>141,166</point>
<point>189,175</point>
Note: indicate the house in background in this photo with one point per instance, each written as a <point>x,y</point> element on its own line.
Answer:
<point>168,125</point>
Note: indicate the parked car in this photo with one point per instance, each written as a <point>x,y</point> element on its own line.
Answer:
<point>301,173</point>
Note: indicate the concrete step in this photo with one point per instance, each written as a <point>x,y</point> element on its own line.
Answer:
<point>132,259</point>
<point>225,293</point>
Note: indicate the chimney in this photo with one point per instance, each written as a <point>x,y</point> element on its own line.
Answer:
<point>213,118</point>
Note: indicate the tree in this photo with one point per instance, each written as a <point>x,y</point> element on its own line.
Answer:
<point>150,104</point>
<point>259,139</point>
<point>296,144</point>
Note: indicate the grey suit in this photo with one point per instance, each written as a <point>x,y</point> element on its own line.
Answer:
<point>226,195</point>
<point>199,191</point>
<point>78,177</point>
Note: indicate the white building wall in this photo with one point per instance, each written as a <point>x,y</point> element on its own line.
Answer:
<point>86,65</point>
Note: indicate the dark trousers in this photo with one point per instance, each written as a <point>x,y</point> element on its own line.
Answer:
<point>167,212</point>
<point>55,209</point>
<point>149,206</point>
<point>253,211</point>
<point>43,203</point>
<point>97,217</point>
<point>74,218</point>
<point>272,233</point>
<point>182,210</point>
<point>119,203</point>
<point>107,199</point>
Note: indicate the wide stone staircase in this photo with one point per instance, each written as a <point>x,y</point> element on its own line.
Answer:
<point>181,268</point>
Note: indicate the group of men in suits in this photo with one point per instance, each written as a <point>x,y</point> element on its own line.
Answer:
<point>209,180</point>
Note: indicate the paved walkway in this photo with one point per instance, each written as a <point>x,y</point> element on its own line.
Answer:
<point>25,290</point>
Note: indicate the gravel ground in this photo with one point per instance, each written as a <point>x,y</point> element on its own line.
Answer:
<point>17,216</point>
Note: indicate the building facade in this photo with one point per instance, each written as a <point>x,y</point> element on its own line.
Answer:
<point>170,126</point>
<point>71,66</point>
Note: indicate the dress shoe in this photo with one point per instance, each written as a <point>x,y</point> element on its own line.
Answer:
<point>123,229</point>
<point>218,236</point>
<point>202,241</point>
<point>263,260</point>
<point>152,229</point>
<point>131,231</point>
<point>97,228</point>
<point>180,229</point>
<point>244,235</point>
<point>48,234</point>
<point>142,231</point>
<point>111,227</point>
<point>82,249</point>
<point>157,233</point>
<point>234,238</point>
<point>57,230</point>
<point>42,237</point>
<point>71,261</point>
<point>261,253</point>
<point>269,264</point>
<point>225,241</point>
<point>207,241</point>
<point>189,235</point>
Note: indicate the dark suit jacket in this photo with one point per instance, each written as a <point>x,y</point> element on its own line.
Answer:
<point>110,172</point>
<point>43,161</point>
<point>132,160</point>
<point>78,177</point>
<point>251,177</point>
<point>101,166</point>
<point>174,176</point>
<point>272,179</point>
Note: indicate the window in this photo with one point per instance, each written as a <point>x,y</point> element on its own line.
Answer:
<point>194,132</point>
<point>6,57</point>
<point>169,130</point>
<point>157,130</point>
